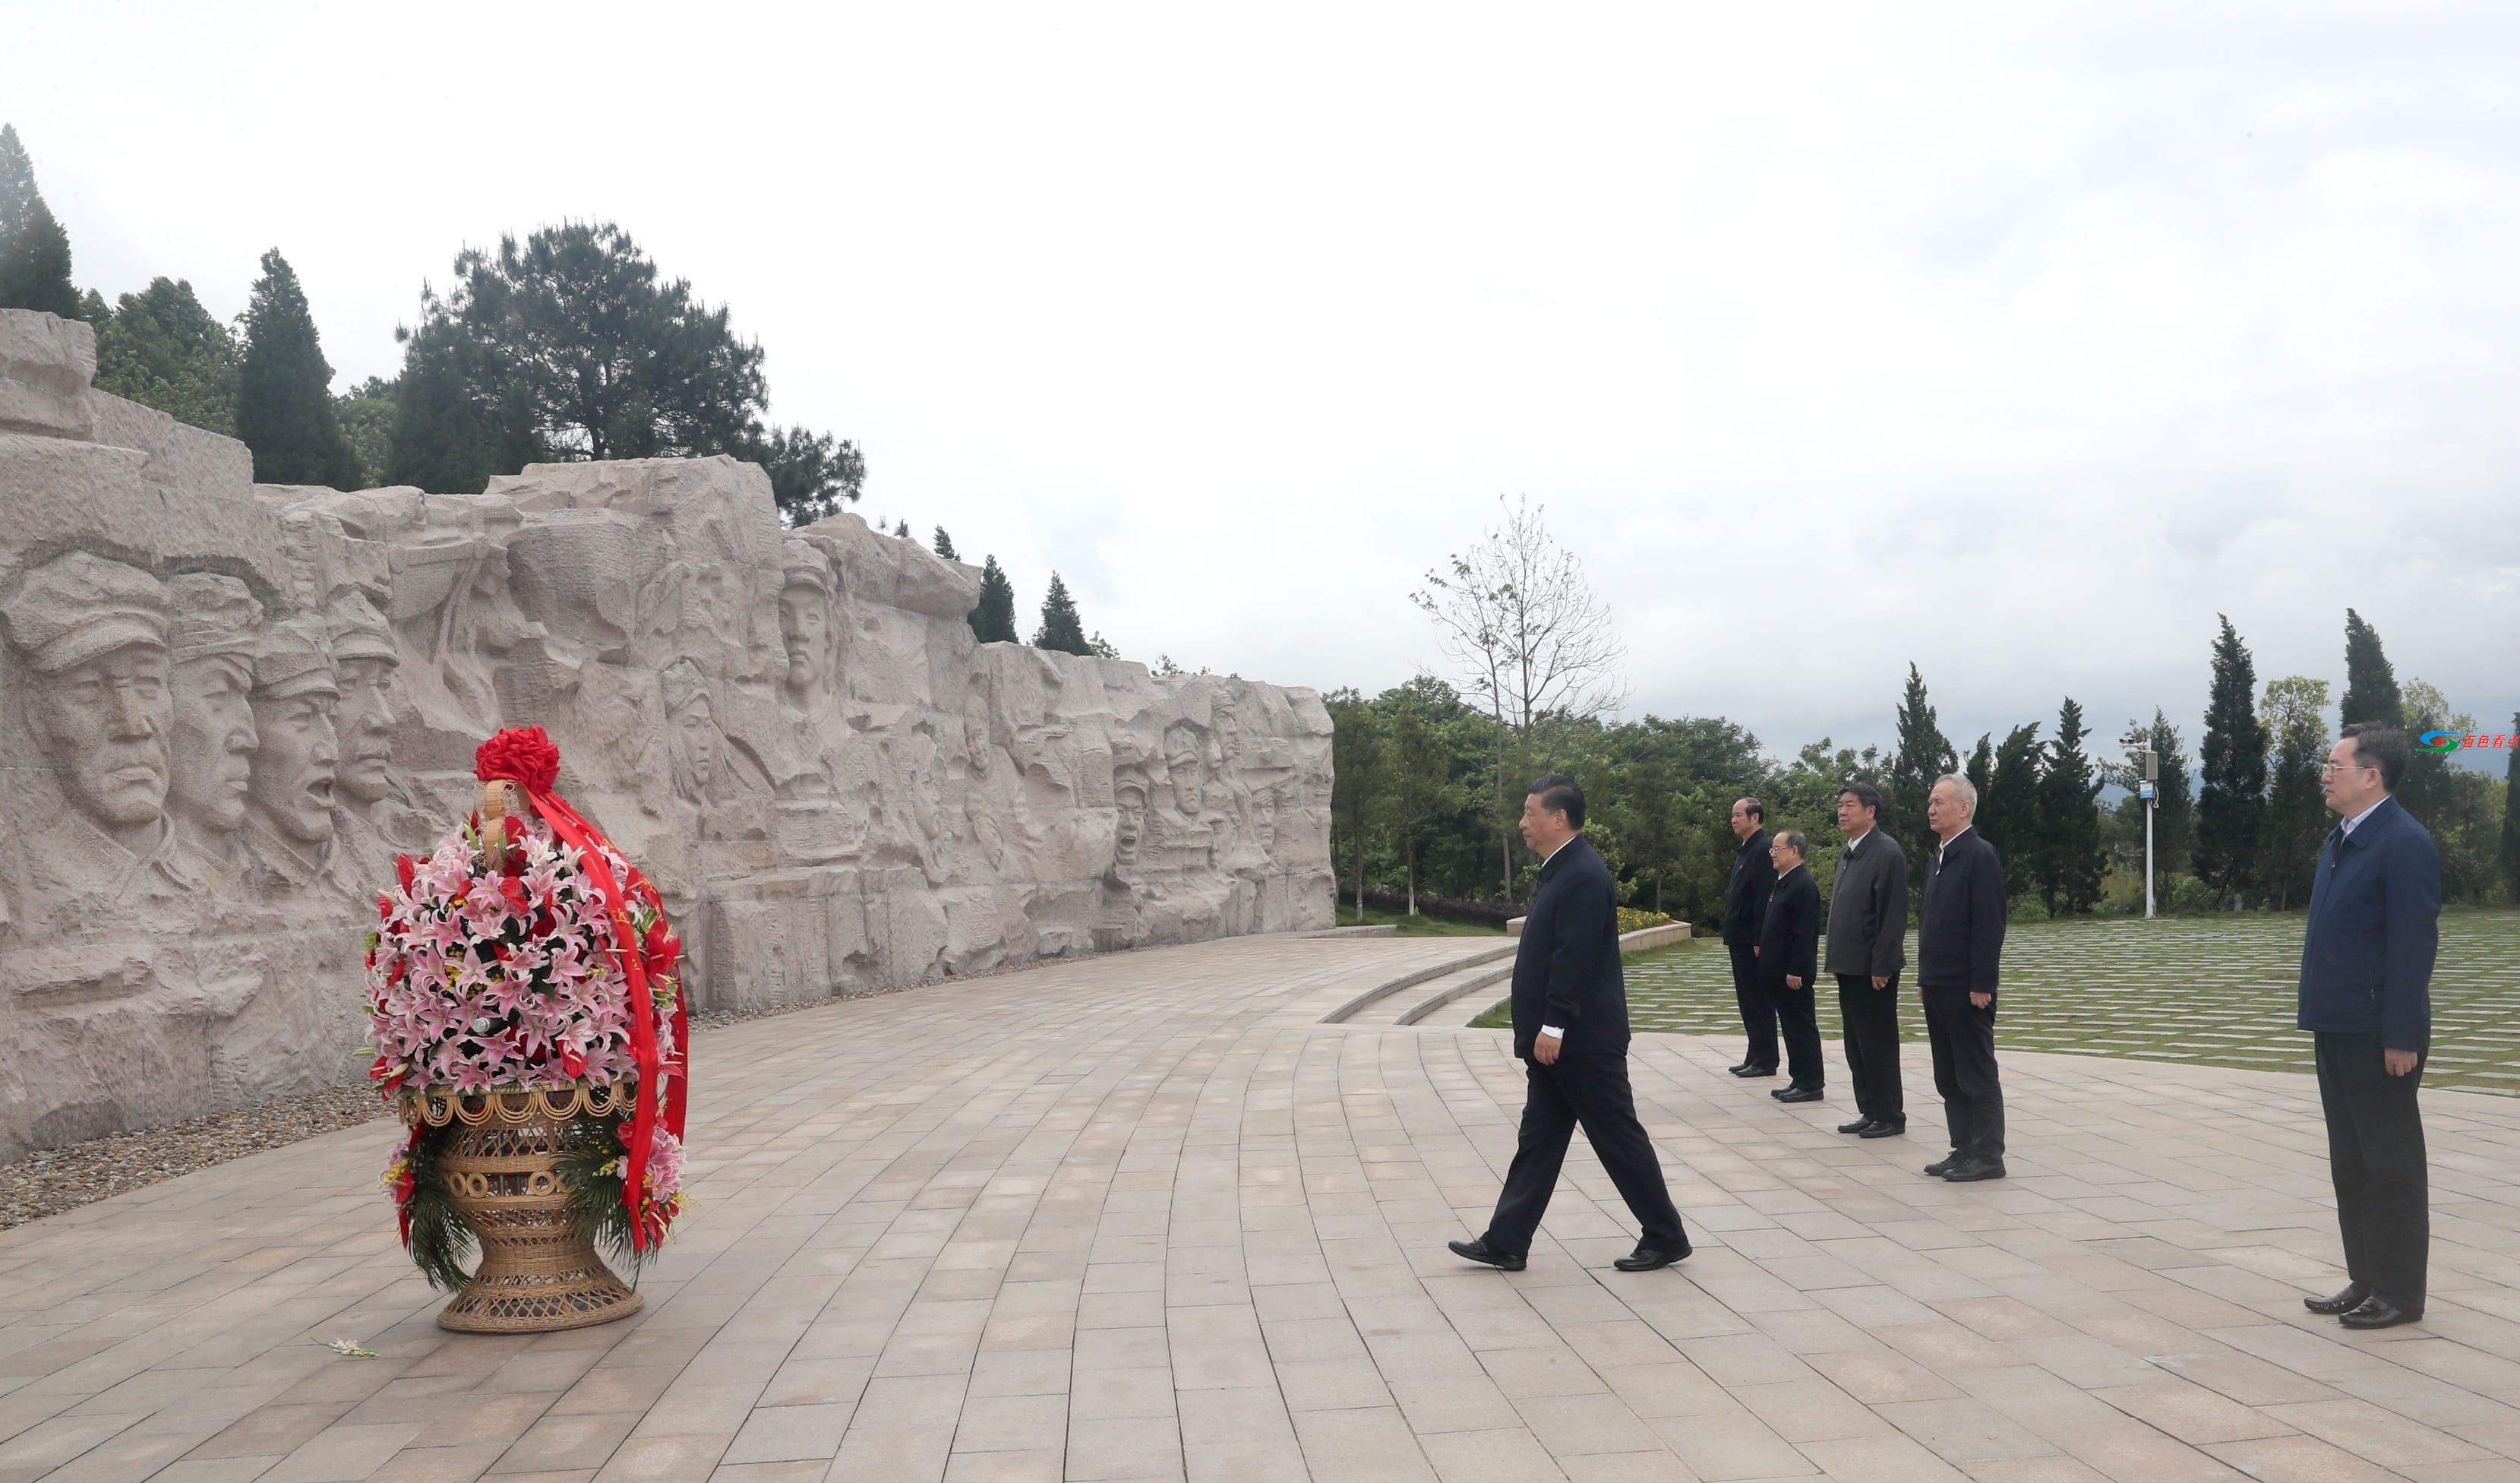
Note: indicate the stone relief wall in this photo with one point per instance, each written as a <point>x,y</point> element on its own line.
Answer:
<point>224,708</point>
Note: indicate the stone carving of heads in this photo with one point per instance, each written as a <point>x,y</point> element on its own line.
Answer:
<point>809,625</point>
<point>364,662</point>
<point>1130,796</point>
<point>975,730</point>
<point>690,730</point>
<point>212,643</point>
<point>294,698</point>
<point>1265,803</point>
<point>1184,758</point>
<point>95,630</point>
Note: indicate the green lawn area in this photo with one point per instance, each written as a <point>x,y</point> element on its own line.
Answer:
<point>2217,989</point>
<point>1420,925</point>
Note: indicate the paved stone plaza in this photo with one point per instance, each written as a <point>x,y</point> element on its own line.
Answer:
<point>1145,1217</point>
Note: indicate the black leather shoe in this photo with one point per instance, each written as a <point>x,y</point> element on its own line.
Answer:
<point>1857,1126</point>
<point>1647,1258</point>
<point>1945,1165</point>
<point>1971,1171</point>
<point>2343,1302</point>
<point>1477,1251</point>
<point>1882,1130</point>
<point>1737,1067</point>
<point>1799,1094</point>
<point>2379,1313</point>
<point>1747,1071</point>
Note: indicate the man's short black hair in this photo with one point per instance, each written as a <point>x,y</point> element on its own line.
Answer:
<point>1558,794</point>
<point>2381,747</point>
<point>1867,794</point>
<point>1755,808</point>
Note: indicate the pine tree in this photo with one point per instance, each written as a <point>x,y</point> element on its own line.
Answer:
<point>2512,814</point>
<point>2296,722</point>
<point>1357,753</point>
<point>18,193</point>
<point>284,388</point>
<point>1924,753</point>
<point>1060,629</point>
<point>901,530</point>
<point>35,266</point>
<point>166,351</point>
<point>2070,861</point>
<point>945,545</point>
<point>993,619</point>
<point>2232,801</point>
<point>2370,685</point>
<point>1981,765</point>
<point>2174,819</point>
<point>1101,647</point>
<point>2007,812</point>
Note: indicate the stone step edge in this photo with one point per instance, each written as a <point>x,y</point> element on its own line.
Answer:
<point>1638,940</point>
<point>1413,979</point>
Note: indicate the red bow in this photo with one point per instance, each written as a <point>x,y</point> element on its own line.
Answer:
<point>528,758</point>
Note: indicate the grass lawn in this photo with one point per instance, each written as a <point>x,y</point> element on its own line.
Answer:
<point>1416,926</point>
<point>2218,989</point>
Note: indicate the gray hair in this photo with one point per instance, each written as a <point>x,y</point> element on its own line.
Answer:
<point>1962,789</point>
<point>1793,839</point>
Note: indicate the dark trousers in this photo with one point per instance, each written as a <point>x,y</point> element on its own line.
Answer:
<point>1963,1038</point>
<point>2376,1154</point>
<point>1870,1017</point>
<point>1590,1088</point>
<point>1758,1015</point>
<point>1798,1022</point>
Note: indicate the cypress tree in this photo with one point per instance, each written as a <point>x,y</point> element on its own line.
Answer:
<point>1923,755</point>
<point>2174,820</point>
<point>993,619</point>
<point>445,437</point>
<point>2007,812</point>
<point>284,388</point>
<point>2070,861</point>
<point>166,351</point>
<point>1981,767</point>
<point>2232,801</point>
<point>945,545</point>
<point>35,266</point>
<point>901,529</point>
<point>18,193</point>
<point>2370,683</point>
<point>2295,724</point>
<point>2512,814</point>
<point>1061,628</point>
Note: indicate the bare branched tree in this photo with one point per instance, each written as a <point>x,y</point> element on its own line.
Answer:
<point>1529,636</point>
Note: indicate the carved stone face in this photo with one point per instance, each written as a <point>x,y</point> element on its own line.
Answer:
<point>294,768</point>
<point>1133,826</point>
<point>975,734</point>
<point>1264,816</point>
<point>805,631</point>
<point>104,724</point>
<point>693,737</point>
<point>1186,766</point>
<point>366,723</point>
<point>213,741</point>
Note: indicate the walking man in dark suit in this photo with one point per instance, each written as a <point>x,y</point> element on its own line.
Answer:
<point>1867,946</point>
<point>1789,961</point>
<point>2367,970</point>
<point>1571,1028</point>
<point>1745,909</point>
<point>1959,952</point>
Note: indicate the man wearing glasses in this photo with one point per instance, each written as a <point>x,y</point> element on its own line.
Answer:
<point>2366,967</point>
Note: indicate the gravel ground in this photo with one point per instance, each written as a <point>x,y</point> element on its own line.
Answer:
<point>80,1173</point>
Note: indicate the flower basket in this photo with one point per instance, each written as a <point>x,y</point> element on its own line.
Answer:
<point>528,1026</point>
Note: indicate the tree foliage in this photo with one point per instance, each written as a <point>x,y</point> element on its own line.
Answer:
<point>366,414</point>
<point>945,545</point>
<point>2370,683</point>
<point>1061,628</point>
<point>284,388</point>
<point>571,344</point>
<point>1924,754</point>
<point>2069,858</point>
<point>2232,804</point>
<point>2008,813</point>
<point>2511,851</point>
<point>34,250</point>
<point>994,618</point>
<point>2295,714</point>
<point>164,350</point>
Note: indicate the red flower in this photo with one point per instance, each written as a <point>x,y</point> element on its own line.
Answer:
<point>384,906</point>
<point>403,872</point>
<point>524,754</point>
<point>573,1062</point>
<point>515,891</point>
<point>663,949</point>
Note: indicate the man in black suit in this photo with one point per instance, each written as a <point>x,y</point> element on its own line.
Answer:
<point>1745,909</point>
<point>2366,969</point>
<point>1960,952</point>
<point>1571,1028</point>
<point>1867,946</point>
<point>1789,961</point>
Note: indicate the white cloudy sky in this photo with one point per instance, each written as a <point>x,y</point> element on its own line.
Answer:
<point>2014,340</point>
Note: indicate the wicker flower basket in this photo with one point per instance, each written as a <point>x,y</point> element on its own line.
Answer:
<point>539,1273</point>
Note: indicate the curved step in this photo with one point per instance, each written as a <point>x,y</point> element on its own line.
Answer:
<point>1348,1013</point>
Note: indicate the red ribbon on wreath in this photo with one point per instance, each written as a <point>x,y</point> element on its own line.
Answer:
<point>525,756</point>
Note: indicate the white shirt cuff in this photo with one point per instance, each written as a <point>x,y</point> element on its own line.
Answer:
<point>1553,1032</point>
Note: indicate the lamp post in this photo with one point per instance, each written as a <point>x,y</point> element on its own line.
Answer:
<point>2151,795</point>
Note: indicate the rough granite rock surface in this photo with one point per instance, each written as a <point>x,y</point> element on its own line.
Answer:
<point>225,707</point>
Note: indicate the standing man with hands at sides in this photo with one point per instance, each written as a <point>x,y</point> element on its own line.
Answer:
<point>2366,969</point>
<point>1867,946</point>
<point>1959,952</point>
<point>1789,960</point>
<point>1571,1028</point>
<point>1746,910</point>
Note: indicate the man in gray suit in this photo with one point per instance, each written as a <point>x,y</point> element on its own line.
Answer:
<point>1867,946</point>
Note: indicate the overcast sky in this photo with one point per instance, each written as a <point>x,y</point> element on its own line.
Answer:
<point>2018,340</point>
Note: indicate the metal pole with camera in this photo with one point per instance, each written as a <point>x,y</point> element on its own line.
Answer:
<point>2151,795</point>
